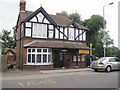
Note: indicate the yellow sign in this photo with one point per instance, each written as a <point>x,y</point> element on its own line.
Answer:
<point>91,44</point>
<point>84,51</point>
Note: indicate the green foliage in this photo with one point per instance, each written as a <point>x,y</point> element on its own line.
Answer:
<point>7,41</point>
<point>95,23</point>
<point>112,52</point>
<point>73,16</point>
<point>96,34</point>
<point>64,13</point>
<point>3,52</point>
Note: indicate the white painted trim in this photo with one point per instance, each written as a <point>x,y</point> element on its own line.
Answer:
<point>42,53</point>
<point>40,64</point>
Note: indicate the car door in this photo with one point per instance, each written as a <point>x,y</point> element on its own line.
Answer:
<point>118,63</point>
<point>114,64</point>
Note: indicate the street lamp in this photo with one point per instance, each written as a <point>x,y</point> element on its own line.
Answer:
<point>104,45</point>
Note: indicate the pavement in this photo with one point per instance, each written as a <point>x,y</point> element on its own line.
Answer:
<point>37,72</point>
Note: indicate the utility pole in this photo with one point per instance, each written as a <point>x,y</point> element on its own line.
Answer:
<point>90,52</point>
<point>104,44</point>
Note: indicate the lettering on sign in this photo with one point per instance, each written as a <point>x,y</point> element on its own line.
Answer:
<point>83,51</point>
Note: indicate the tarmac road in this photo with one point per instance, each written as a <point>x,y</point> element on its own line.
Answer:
<point>84,79</point>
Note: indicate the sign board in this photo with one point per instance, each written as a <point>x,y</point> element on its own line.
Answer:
<point>83,51</point>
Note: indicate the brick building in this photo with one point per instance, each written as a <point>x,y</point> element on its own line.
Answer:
<point>46,41</point>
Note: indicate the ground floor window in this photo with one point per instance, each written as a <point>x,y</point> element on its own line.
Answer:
<point>83,58</point>
<point>38,56</point>
<point>74,58</point>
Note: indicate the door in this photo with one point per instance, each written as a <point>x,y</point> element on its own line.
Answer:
<point>113,63</point>
<point>56,59</point>
<point>118,65</point>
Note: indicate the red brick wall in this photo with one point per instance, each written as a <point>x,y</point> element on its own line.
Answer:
<point>10,58</point>
<point>18,44</point>
<point>39,67</point>
<point>69,55</point>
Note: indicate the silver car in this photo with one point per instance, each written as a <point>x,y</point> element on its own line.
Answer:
<point>106,63</point>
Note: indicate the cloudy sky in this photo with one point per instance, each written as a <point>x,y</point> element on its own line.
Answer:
<point>86,8</point>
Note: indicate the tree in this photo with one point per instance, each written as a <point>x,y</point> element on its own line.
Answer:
<point>7,41</point>
<point>96,34</point>
<point>64,13</point>
<point>73,16</point>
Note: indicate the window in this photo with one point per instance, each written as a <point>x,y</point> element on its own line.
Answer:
<point>112,60</point>
<point>51,31</point>
<point>28,32</point>
<point>28,24</point>
<point>38,56</point>
<point>39,30</point>
<point>74,58</point>
<point>83,58</point>
<point>71,33</point>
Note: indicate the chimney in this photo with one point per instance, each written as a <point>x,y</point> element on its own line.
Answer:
<point>22,5</point>
<point>59,14</point>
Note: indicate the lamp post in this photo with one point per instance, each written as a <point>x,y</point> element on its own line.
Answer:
<point>104,44</point>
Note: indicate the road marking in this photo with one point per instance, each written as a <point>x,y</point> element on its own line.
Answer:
<point>21,84</point>
<point>31,83</point>
<point>28,84</point>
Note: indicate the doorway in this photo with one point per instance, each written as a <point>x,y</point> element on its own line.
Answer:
<point>58,59</point>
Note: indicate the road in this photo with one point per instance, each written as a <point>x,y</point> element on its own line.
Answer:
<point>84,79</point>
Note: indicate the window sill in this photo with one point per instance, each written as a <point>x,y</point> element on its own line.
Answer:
<point>39,64</point>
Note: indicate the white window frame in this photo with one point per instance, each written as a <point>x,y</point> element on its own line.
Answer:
<point>83,56</point>
<point>38,30</point>
<point>71,33</point>
<point>48,53</point>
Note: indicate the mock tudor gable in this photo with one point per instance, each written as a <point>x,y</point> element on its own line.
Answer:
<point>52,40</point>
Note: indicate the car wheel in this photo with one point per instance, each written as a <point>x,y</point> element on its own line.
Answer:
<point>108,69</point>
<point>95,70</point>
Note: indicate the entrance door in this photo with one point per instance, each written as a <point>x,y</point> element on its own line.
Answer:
<point>58,59</point>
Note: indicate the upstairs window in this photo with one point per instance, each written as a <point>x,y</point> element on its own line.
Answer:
<point>39,30</point>
<point>71,33</point>
<point>51,31</point>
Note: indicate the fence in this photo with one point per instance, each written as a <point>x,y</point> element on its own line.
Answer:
<point>4,62</point>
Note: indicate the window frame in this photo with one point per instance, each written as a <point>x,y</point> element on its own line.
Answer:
<point>39,53</point>
<point>82,58</point>
<point>37,25</point>
<point>74,58</point>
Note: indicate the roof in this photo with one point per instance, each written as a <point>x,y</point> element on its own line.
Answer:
<point>56,44</point>
<point>10,49</point>
<point>58,19</point>
<point>24,15</point>
<point>61,20</point>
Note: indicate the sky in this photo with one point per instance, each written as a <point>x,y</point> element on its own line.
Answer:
<point>86,8</point>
